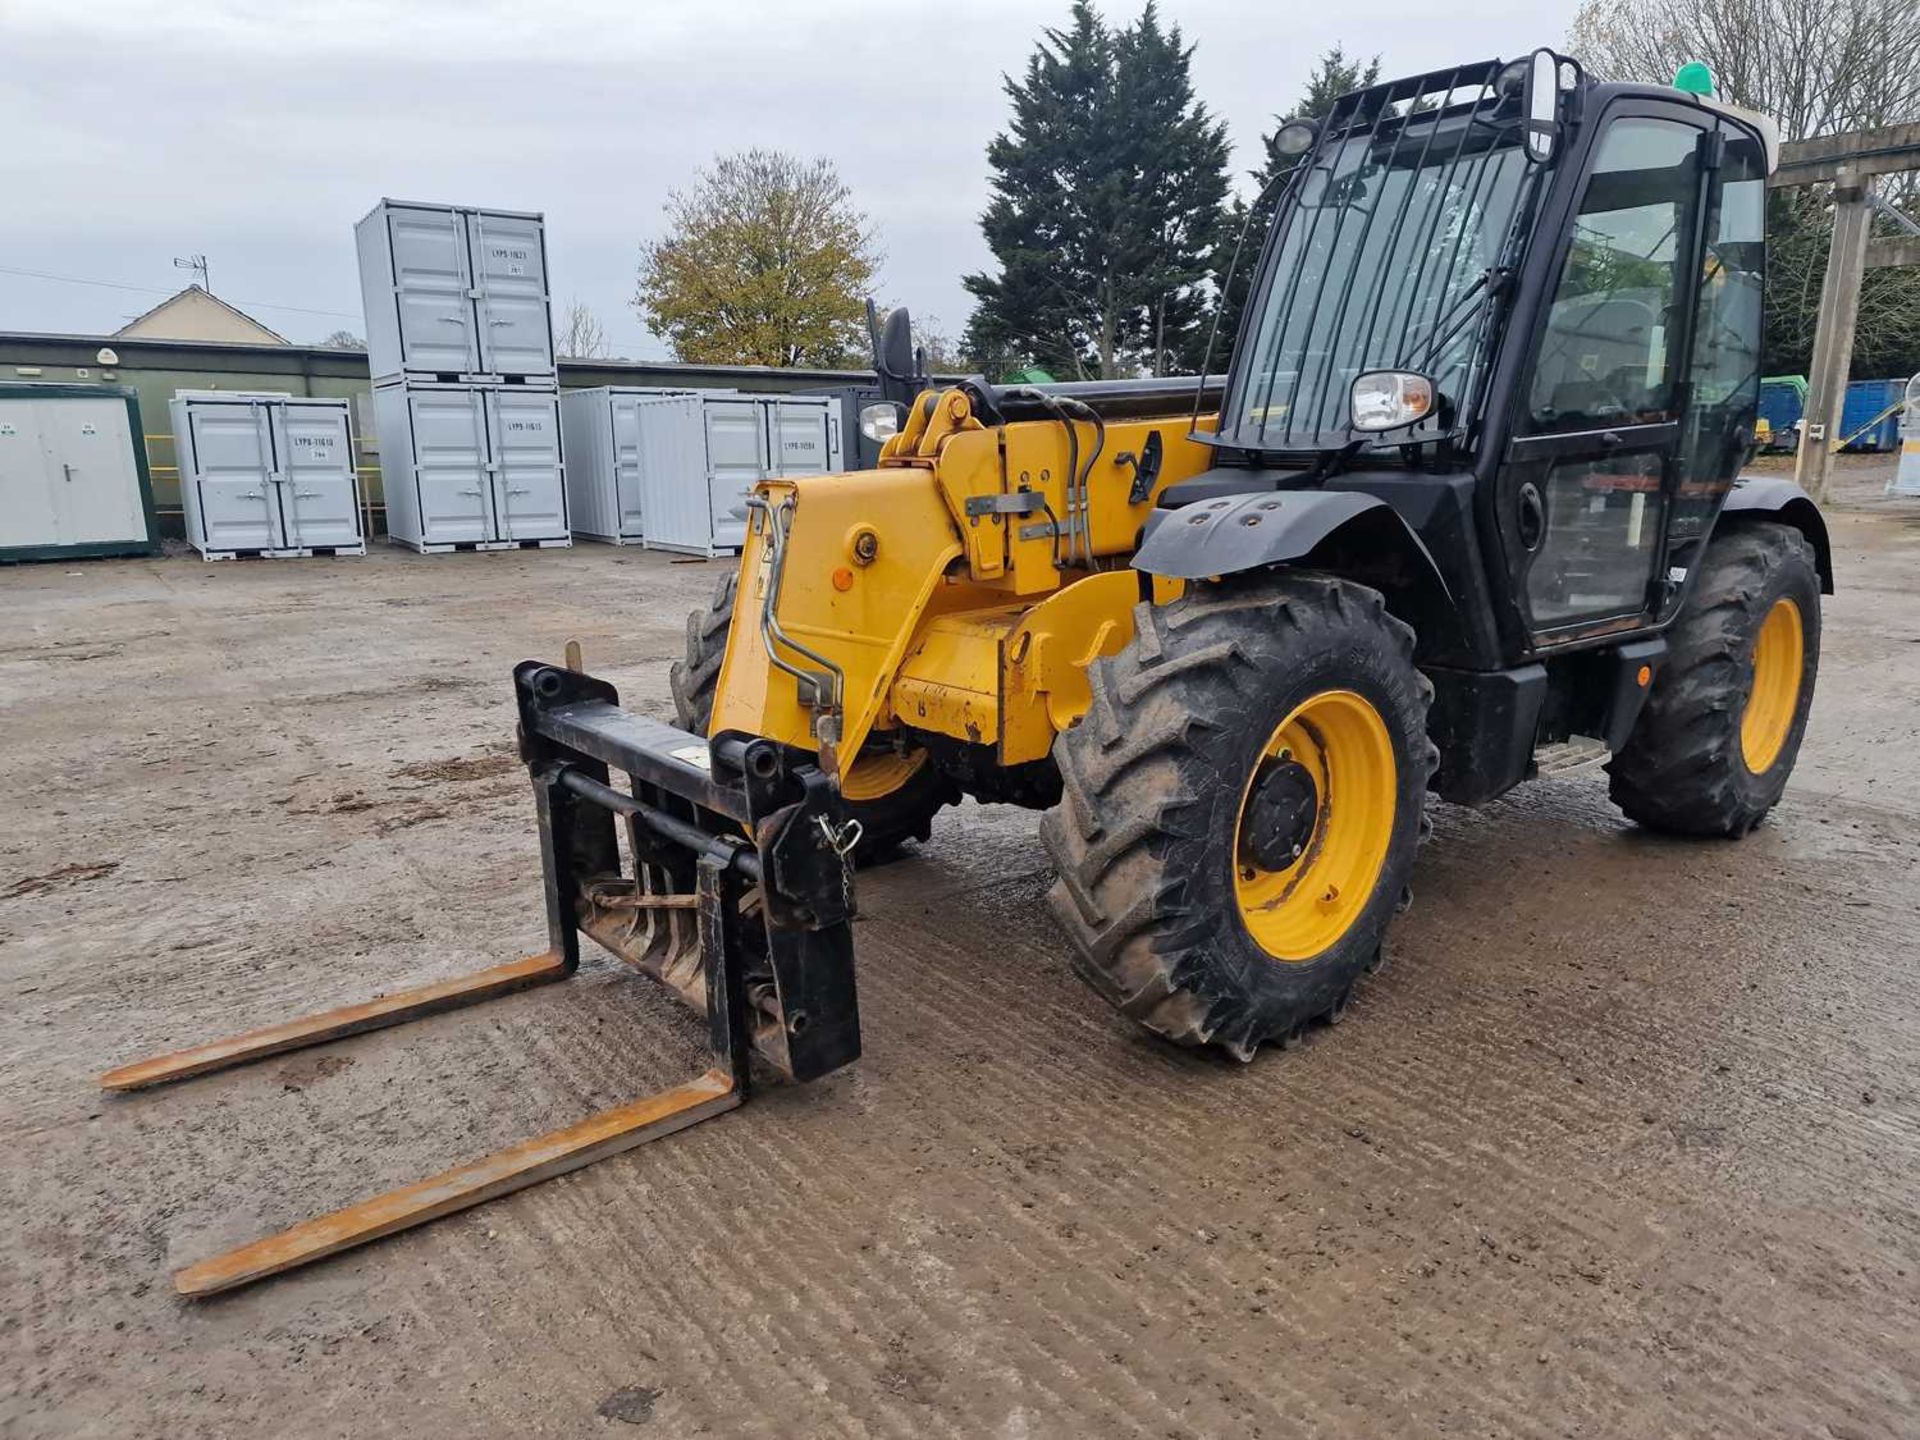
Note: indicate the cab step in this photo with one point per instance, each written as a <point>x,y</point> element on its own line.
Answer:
<point>1565,757</point>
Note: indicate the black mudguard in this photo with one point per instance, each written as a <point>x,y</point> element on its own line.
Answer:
<point>1772,497</point>
<point>1232,534</point>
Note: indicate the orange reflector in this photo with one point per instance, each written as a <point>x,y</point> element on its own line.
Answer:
<point>843,579</point>
<point>1645,676</point>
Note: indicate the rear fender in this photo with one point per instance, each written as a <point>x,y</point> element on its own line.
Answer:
<point>1767,497</point>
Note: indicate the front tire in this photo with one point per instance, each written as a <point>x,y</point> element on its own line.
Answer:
<point>1241,808</point>
<point>1712,750</point>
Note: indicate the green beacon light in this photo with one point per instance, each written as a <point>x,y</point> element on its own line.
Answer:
<point>1694,78</point>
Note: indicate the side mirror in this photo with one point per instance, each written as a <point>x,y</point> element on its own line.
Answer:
<point>894,360</point>
<point>1540,106</point>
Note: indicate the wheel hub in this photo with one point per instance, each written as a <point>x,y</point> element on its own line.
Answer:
<point>1281,814</point>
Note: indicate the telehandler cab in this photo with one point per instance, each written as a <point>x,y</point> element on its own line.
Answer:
<point>1462,511</point>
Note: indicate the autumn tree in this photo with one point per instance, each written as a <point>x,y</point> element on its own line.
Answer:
<point>580,335</point>
<point>1107,188</point>
<point>1817,67</point>
<point>342,340</point>
<point>766,262</point>
<point>1334,74</point>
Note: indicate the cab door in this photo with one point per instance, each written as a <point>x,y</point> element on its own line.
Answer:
<point>1587,489</point>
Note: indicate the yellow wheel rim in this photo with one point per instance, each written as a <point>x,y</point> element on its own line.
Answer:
<point>873,777</point>
<point>1779,655</point>
<point>1297,912</point>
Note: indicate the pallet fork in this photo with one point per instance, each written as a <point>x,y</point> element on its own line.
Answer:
<point>739,898</point>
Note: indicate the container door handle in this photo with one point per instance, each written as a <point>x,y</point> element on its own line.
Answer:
<point>69,471</point>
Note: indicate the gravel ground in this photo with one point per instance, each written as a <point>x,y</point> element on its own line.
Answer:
<point>1625,1142</point>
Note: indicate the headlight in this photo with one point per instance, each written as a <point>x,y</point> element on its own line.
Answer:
<point>1295,137</point>
<point>1389,399</point>
<point>880,422</point>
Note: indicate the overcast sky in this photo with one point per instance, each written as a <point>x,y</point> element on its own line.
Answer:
<point>258,133</point>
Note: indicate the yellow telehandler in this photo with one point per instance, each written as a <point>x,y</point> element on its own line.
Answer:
<point>1463,510</point>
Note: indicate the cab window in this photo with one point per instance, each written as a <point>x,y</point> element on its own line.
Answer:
<point>1606,358</point>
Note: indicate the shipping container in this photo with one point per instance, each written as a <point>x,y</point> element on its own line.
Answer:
<point>857,452</point>
<point>1870,417</point>
<point>701,454</point>
<point>471,467</point>
<point>267,474</point>
<point>73,473</point>
<point>600,427</point>
<point>455,294</point>
<point>1783,399</point>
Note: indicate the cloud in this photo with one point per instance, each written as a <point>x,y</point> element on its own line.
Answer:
<point>259,132</point>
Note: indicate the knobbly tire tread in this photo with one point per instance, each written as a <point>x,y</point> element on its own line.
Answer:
<point>906,814</point>
<point>1681,771</point>
<point>1152,779</point>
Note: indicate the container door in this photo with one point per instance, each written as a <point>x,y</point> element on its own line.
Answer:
<point>27,512</point>
<point>318,498</point>
<point>234,471</point>
<point>530,498</point>
<point>510,268</point>
<point>630,509</point>
<point>450,466</point>
<point>736,460</point>
<point>801,443</point>
<point>432,291</point>
<point>90,445</point>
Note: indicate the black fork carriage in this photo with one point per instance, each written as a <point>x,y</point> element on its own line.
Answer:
<point>737,895</point>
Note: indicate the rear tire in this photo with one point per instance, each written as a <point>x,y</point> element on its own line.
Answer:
<point>903,812</point>
<point>1712,750</point>
<point>1150,840</point>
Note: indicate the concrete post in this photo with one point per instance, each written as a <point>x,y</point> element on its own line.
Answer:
<point>1833,338</point>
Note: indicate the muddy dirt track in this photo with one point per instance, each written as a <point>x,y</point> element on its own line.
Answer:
<point>1625,1142</point>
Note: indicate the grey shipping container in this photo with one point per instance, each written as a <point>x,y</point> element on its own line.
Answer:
<point>471,467</point>
<point>857,452</point>
<point>455,293</point>
<point>701,454</point>
<point>266,474</point>
<point>600,427</point>
<point>73,473</point>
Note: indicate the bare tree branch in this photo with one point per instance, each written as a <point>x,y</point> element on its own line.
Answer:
<point>580,335</point>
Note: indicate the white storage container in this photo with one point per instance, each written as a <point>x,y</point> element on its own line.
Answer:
<point>600,427</point>
<point>471,467</point>
<point>701,454</point>
<point>454,293</point>
<point>266,474</point>
<point>73,473</point>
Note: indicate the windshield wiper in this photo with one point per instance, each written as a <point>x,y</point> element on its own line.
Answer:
<point>1464,311</point>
